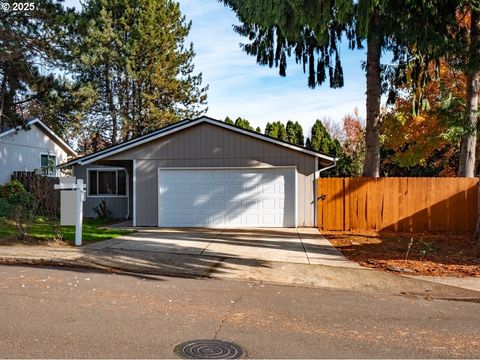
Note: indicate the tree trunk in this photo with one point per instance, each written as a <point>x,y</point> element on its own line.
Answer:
<point>371,167</point>
<point>111,105</point>
<point>2,102</point>
<point>477,230</point>
<point>466,167</point>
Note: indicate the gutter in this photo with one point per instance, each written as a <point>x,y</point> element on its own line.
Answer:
<point>317,176</point>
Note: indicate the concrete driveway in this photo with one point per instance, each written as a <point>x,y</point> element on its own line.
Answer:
<point>302,245</point>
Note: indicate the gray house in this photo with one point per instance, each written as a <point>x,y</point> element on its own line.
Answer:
<point>33,147</point>
<point>204,173</point>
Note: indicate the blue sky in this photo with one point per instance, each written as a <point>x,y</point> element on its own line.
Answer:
<point>240,87</point>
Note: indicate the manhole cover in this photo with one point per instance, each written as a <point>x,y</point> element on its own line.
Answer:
<point>208,349</point>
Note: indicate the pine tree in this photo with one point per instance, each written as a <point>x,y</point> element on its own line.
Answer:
<point>229,121</point>
<point>133,54</point>
<point>295,133</point>
<point>30,52</point>
<point>243,124</point>
<point>276,130</point>
<point>321,141</point>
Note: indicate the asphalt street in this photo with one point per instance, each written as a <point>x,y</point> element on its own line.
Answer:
<point>72,313</point>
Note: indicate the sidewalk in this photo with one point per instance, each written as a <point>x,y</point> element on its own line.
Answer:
<point>472,283</point>
<point>184,265</point>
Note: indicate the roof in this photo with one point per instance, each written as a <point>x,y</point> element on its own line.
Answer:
<point>46,129</point>
<point>182,125</point>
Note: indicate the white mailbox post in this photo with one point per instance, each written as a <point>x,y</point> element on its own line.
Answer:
<point>71,204</point>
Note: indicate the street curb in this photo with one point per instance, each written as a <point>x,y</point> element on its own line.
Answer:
<point>85,263</point>
<point>49,262</point>
<point>53,262</point>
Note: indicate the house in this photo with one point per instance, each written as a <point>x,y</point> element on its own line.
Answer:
<point>33,147</point>
<point>204,173</point>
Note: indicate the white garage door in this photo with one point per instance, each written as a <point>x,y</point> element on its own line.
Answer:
<point>226,197</point>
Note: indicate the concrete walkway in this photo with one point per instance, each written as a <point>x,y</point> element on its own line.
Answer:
<point>302,245</point>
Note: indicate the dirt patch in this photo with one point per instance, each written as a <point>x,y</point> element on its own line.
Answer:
<point>29,241</point>
<point>421,254</point>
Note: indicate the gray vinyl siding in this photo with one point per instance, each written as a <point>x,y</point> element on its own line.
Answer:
<point>206,145</point>
<point>21,150</point>
<point>117,206</point>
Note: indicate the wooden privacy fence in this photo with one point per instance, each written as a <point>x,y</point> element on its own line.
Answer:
<point>398,204</point>
<point>42,187</point>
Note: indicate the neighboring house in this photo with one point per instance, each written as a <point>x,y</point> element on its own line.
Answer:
<point>204,173</point>
<point>34,147</point>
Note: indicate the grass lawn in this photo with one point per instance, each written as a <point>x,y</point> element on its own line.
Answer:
<point>41,232</point>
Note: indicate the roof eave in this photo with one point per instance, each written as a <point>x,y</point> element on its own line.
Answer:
<point>149,137</point>
<point>66,147</point>
<point>55,136</point>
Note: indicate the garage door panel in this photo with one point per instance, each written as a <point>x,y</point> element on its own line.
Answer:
<point>219,204</point>
<point>217,189</point>
<point>183,188</point>
<point>172,219</point>
<point>268,189</point>
<point>251,219</point>
<point>201,188</point>
<point>268,219</point>
<point>227,197</point>
<point>202,202</point>
<point>235,189</point>
<point>268,204</point>
<point>217,220</point>
<point>180,204</point>
<point>200,176</point>
<point>235,219</point>
<point>251,204</point>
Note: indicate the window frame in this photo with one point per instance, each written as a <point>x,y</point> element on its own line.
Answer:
<point>108,169</point>
<point>48,155</point>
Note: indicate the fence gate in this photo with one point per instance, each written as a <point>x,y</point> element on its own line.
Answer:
<point>331,204</point>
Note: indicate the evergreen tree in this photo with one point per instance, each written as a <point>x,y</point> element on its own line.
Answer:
<point>276,130</point>
<point>229,121</point>
<point>133,55</point>
<point>243,124</point>
<point>295,133</point>
<point>30,52</point>
<point>258,130</point>
<point>321,141</point>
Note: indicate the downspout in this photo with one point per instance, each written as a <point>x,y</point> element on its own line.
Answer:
<point>327,168</point>
<point>317,176</point>
<point>128,194</point>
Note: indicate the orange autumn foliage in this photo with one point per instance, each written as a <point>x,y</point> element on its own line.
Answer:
<point>414,139</point>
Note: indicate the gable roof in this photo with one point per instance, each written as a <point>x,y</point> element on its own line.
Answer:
<point>185,124</point>
<point>47,130</point>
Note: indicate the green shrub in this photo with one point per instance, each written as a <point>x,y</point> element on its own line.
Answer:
<point>11,188</point>
<point>17,205</point>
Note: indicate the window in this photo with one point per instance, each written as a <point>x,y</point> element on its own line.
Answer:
<point>48,164</point>
<point>107,182</point>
